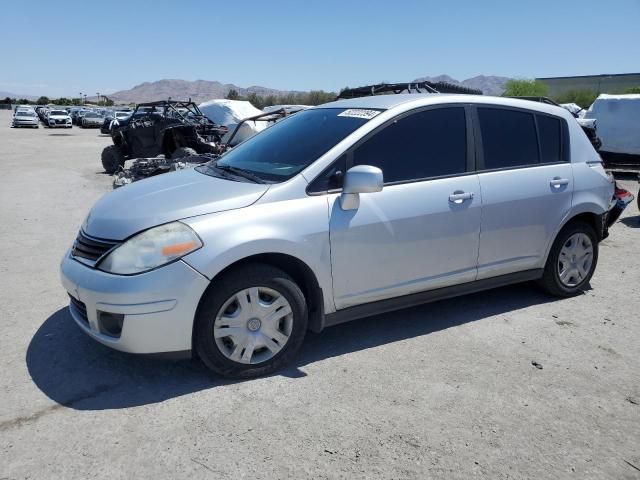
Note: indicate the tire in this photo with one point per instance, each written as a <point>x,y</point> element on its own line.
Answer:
<point>578,268</point>
<point>216,353</point>
<point>183,152</point>
<point>112,159</point>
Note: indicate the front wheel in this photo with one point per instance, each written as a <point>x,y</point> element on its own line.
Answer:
<point>251,322</point>
<point>572,260</point>
<point>112,159</point>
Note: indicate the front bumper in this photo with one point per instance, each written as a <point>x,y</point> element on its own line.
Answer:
<point>58,125</point>
<point>158,306</point>
<point>20,123</point>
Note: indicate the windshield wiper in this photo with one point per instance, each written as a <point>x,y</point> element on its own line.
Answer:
<point>239,172</point>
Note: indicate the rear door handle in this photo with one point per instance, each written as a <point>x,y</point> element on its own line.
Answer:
<point>459,196</point>
<point>558,182</point>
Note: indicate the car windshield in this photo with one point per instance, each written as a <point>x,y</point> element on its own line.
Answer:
<point>57,112</point>
<point>122,114</point>
<point>286,148</point>
<point>92,115</point>
<point>25,114</point>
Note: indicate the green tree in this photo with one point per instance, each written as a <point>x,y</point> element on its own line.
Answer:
<point>256,100</point>
<point>43,100</point>
<point>23,101</point>
<point>632,90</point>
<point>6,100</point>
<point>233,95</point>
<point>524,88</point>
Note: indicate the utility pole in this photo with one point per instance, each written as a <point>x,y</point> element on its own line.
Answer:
<point>98,94</point>
<point>81,99</point>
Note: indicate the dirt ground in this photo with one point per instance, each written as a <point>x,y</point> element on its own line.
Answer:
<point>446,390</point>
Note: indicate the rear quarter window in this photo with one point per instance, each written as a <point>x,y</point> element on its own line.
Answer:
<point>550,134</point>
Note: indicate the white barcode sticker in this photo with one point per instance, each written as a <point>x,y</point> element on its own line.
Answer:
<point>359,113</point>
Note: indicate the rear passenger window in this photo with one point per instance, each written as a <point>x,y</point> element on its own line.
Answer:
<point>508,138</point>
<point>549,131</point>
<point>430,143</point>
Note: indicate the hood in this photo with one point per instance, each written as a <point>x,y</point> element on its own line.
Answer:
<point>166,198</point>
<point>59,117</point>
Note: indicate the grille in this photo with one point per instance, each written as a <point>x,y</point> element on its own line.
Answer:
<point>91,248</point>
<point>79,307</point>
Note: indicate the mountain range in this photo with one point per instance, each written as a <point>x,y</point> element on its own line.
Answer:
<point>203,90</point>
<point>198,91</point>
<point>490,85</point>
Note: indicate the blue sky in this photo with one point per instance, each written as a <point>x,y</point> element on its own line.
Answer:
<point>60,48</point>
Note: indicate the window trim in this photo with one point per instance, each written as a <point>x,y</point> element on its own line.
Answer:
<point>565,143</point>
<point>469,154</point>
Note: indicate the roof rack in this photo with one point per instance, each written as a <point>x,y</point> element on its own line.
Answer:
<point>412,87</point>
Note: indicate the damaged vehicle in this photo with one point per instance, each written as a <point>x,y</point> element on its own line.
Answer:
<point>618,118</point>
<point>141,168</point>
<point>174,129</point>
<point>339,212</point>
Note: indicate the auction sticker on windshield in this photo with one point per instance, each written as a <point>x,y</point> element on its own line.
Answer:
<point>359,113</point>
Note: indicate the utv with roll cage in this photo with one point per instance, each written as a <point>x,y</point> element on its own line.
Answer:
<point>141,168</point>
<point>175,129</point>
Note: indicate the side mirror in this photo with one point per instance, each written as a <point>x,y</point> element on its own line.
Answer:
<point>359,179</point>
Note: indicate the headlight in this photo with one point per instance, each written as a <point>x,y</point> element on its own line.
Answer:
<point>151,249</point>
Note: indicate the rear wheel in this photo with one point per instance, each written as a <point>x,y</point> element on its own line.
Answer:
<point>572,260</point>
<point>251,322</point>
<point>112,159</point>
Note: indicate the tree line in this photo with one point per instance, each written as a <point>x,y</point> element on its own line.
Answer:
<point>314,97</point>
<point>535,88</point>
<point>52,101</point>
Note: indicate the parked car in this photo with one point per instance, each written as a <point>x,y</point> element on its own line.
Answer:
<point>42,113</point>
<point>58,118</point>
<point>92,120</point>
<point>77,118</point>
<point>113,120</point>
<point>338,212</point>
<point>25,118</point>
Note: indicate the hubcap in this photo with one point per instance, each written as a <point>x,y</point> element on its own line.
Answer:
<point>575,259</point>
<point>253,325</point>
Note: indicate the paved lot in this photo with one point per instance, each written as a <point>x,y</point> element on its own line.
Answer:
<point>446,390</point>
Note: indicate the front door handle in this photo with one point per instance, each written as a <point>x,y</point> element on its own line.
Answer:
<point>459,196</point>
<point>558,182</point>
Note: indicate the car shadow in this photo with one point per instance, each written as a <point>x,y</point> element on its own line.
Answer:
<point>78,372</point>
<point>633,222</point>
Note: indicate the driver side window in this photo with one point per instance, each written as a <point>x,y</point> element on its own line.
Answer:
<point>426,144</point>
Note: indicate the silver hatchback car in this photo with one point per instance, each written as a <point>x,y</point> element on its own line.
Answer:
<point>341,211</point>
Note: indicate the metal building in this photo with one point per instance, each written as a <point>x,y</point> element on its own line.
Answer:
<point>605,83</point>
